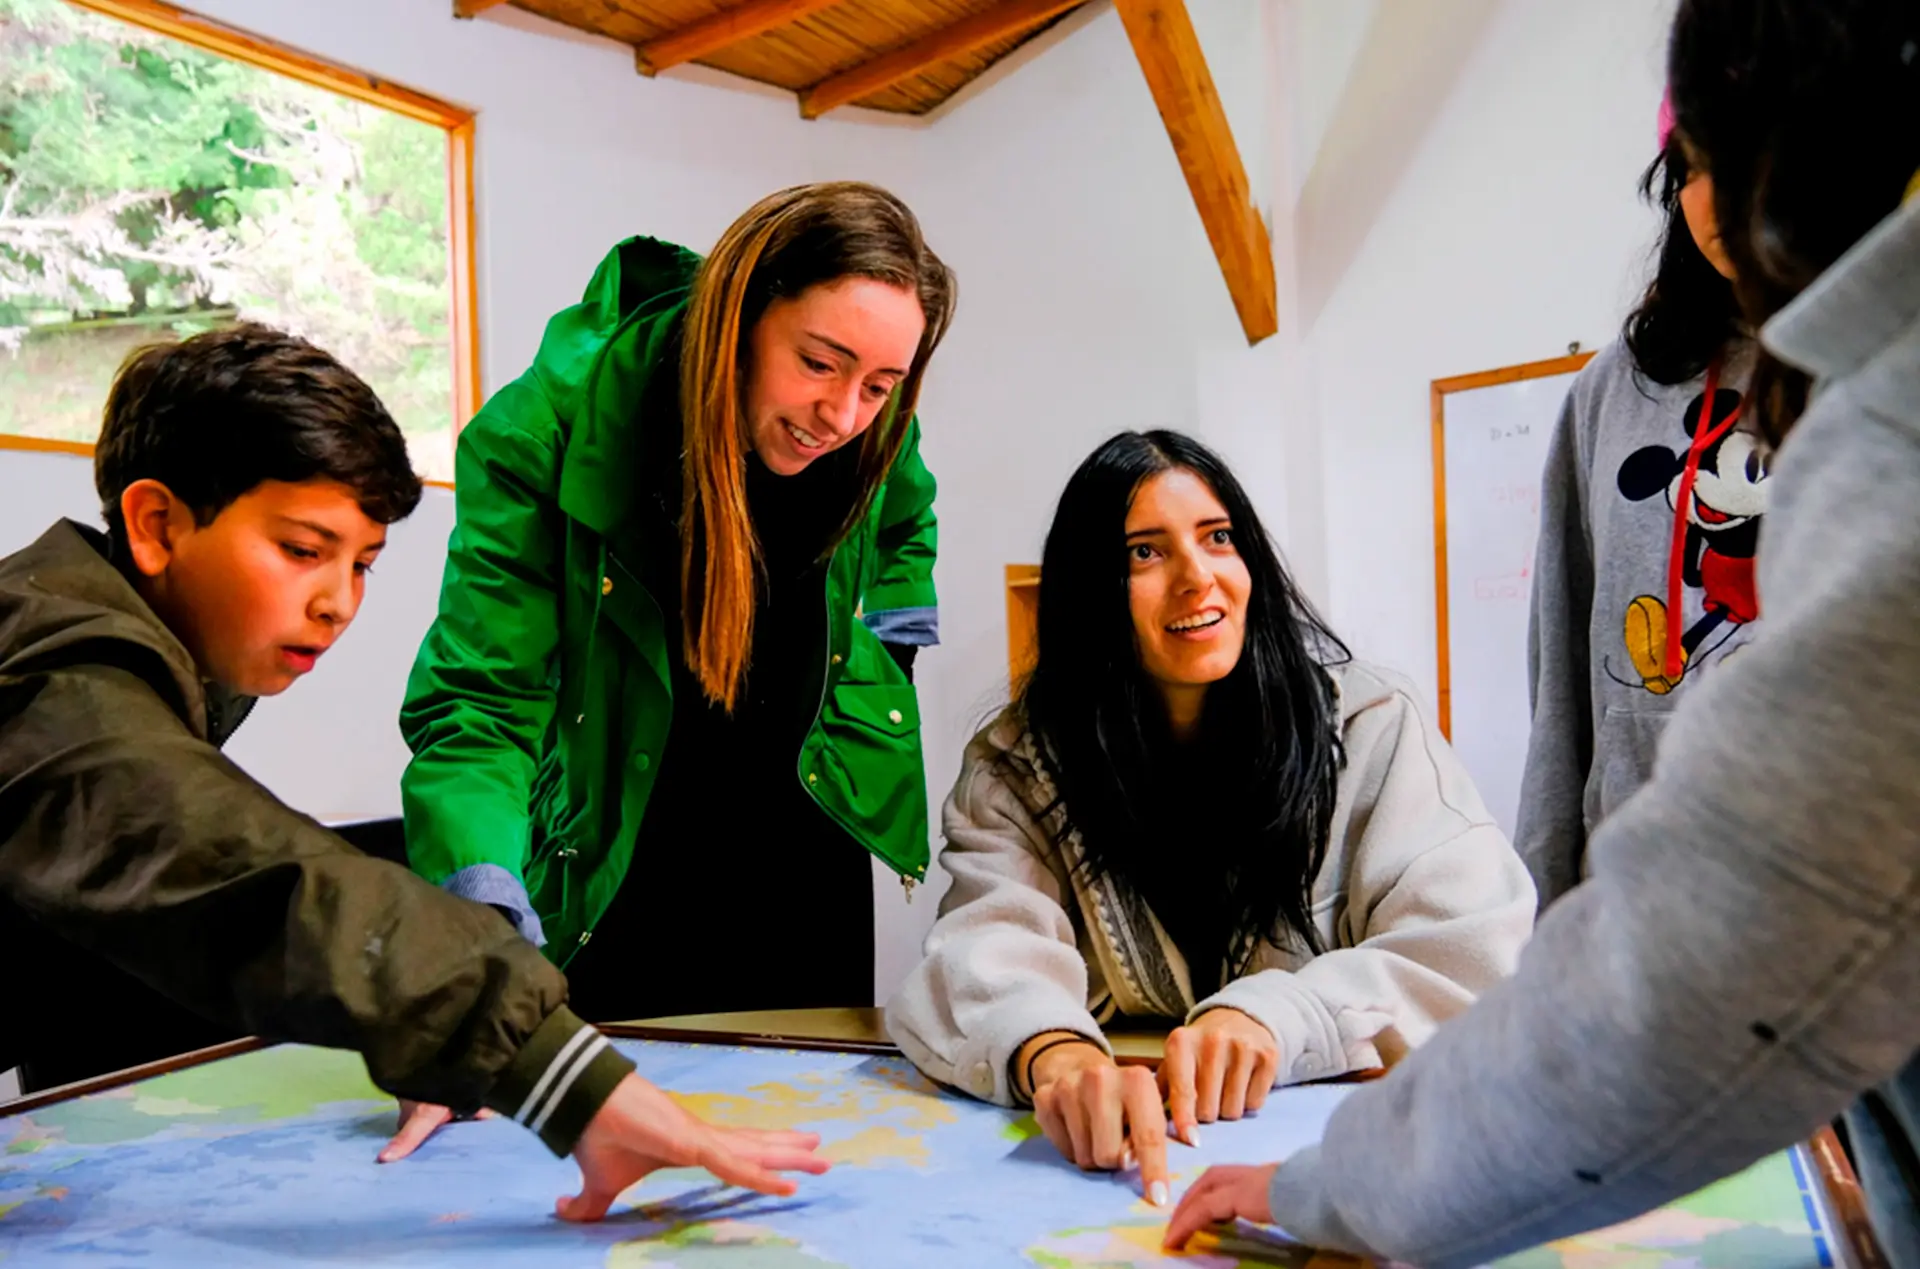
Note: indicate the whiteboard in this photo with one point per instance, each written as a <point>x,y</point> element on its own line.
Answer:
<point>1490,443</point>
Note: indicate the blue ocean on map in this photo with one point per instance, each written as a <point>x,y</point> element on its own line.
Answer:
<point>268,1158</point>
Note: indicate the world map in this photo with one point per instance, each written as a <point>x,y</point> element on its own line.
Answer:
<point>268,1158</point>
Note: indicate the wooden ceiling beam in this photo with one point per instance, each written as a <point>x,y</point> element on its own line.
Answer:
<point>474,8</point>
<point>908,60</point>
<point>1170,57</point>
<point>729,26</point>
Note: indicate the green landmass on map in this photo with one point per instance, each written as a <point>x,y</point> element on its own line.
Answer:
<point>1732,1224</point>
<point>274,1084</point>
<point>1725,1226</point>
<point>1136,1245</point>
<point>1025,1128</point>
<point>1746,1196</point>
<point>732,1244</point>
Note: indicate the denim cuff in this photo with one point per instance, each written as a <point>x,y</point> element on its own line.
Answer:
<point>919,627</point>
<point>495,886</point>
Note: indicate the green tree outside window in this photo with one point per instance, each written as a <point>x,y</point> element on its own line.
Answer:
<point>150,189</point>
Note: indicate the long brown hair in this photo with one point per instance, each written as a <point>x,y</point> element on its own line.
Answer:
<point>784,244</point>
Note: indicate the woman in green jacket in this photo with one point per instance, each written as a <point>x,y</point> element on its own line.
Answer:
<point>666,707</point>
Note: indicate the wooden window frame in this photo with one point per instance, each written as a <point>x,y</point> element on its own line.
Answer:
<point>457,121</point>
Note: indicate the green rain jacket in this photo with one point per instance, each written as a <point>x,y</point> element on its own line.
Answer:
<point>541,700</point>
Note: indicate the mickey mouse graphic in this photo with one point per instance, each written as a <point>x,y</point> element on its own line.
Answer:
<point>1717,488</point>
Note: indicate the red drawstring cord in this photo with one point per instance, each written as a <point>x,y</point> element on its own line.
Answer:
<point>1704,436</point>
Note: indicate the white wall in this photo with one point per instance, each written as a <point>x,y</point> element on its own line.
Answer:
<point>1509,228</point>
<point>574,151</point>
<point>1090,302</point>
<point>1447,213</point>
<point>1055,194</point>
<point>37,489</point>
<point>1452,182</point>
<point>332,746</point>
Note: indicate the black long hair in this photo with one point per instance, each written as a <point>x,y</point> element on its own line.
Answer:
<point>1238,856</point>
<point>1804,113</point>
<point>1688,314</point>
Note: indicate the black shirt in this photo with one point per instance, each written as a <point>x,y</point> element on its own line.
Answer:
<point>742,893</point>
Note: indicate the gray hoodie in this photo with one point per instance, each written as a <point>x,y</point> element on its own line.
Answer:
<point>1744,959</point>
<point>1607,570</point>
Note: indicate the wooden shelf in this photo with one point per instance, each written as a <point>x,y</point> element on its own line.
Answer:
<point>1023,621</point>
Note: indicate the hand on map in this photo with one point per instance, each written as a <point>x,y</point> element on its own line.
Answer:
<point>1228,1192</point>
<point>418,1121</point>
<point>1102,1115</point>
<point>1220,1067</point>
<point>1099,1114</point>
<point>641,1130</point>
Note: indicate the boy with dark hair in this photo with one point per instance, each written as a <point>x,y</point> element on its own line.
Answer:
<point>247,479</point>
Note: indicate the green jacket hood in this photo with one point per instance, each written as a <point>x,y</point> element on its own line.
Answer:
<point>596,363</point>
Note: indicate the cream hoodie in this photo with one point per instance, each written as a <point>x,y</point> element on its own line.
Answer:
<point>1421,900</point>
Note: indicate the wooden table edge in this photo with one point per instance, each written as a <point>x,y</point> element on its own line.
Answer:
<point>131,1075</point>
<point>751,1039</point>
<point>746,1039</point>
<point>1848,1202</point>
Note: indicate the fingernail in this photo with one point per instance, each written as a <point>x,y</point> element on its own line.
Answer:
<point>1157,1193</point>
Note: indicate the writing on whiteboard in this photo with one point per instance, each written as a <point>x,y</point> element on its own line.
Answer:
<point>1527,496</point>
<point>1512,583</point>
<point>1495,442</point>
<point>1510,587</point>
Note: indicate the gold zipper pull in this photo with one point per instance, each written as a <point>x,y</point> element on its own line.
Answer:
<point>906,884</point>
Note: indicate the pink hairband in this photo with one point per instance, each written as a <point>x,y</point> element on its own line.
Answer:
<point>1666,118</point>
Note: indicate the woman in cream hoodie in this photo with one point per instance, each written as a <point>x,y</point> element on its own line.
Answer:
<point>1201,810</point>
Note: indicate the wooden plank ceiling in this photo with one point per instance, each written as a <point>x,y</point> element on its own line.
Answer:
<point>908,56</point>
<point>903,56</point>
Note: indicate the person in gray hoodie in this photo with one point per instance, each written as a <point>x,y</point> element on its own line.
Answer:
<point>1744,960</point>
<point>1650,508</point>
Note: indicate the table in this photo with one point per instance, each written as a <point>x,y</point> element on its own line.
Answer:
<point>258,1154</point>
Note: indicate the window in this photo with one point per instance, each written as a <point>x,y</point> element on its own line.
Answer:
<point>161,174</point>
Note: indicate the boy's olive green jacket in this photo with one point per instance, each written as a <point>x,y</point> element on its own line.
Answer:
<point>541,700</point>
<point>125,835</point>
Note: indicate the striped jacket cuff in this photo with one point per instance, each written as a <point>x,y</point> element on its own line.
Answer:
<point>558,1081</point>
